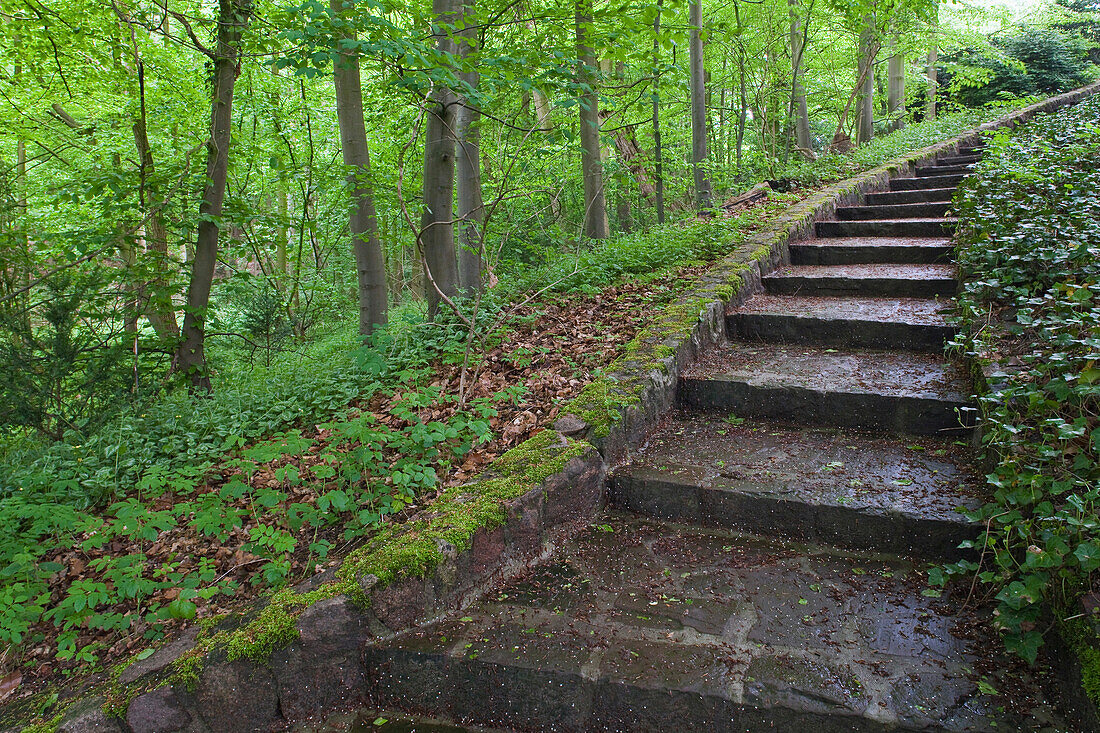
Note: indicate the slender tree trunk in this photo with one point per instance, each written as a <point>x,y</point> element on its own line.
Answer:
<point>471,210</point>
<point>895,86</point>
<point>703,197</point>
<point>595,203</point>
<point>282,233</point>
<point>190,357</point>
<point>437,241</point>
<point>657,152</point>
<point>160,311</point>
<point>865,119</point>
<point>798,93</point>
<point>933,58</point>
<point>370,263</point>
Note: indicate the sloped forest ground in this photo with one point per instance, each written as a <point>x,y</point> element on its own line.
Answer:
<point>193,533</point>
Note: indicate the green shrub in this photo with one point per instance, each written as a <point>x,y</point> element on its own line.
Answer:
<point>1029,247</point>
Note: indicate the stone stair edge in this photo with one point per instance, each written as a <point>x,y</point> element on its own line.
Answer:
<point>643,384</point>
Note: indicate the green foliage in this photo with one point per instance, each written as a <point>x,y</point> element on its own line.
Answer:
<point>1029,246</point>
<point>367,471</point>
<point>1033,60</point>
<point>833,167</point>
<point>58,371</point>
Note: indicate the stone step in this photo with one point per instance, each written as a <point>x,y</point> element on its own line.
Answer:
<point>816,485</point>
<point>915,184</point>
<point>930,227</point>
<point>909,197</point>
<point>916,324</point>
<point>641,626</point>
<point>958,159</point>
<point>922,210</point>
<point>869,280</point>
<point>899,392</point>
<point>942,170</point>
<point>863,250</point>
<point>968,150</point>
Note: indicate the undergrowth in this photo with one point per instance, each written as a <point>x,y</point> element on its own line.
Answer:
<point>1029,249</point>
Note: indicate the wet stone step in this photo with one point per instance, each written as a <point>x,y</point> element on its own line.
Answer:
<point>817,485</point>
<point>942,170</point>
<point>917,324</point>
<point>644,626</point>
<point>896,391</point>
<point>918,210</point>
<point>958,159</point>
<point>913,184</point>
<point>869,250</point>
<point>909,197</point>
<point>869,280</point>
<point>935,227</point>
<point>968,150</point>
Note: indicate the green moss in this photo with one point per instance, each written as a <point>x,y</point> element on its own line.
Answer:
<point>1081,637</point>
<point>417,548</point>
<point>46,726</point>
<point>601,404</point>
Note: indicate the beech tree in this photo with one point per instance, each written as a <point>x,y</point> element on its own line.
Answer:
<point>370,264</point>
<point>436,237</point>
<point>595,202</point>
<point>190,356</point>
<point>699,157</point>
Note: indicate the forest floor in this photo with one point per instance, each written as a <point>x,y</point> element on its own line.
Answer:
<point>554,347</point>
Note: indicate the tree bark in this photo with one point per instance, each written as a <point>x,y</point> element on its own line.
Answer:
<point>933,58</point>
<point>437,243</point>
<point>471,209</point>
<point>659,188</point>
<point>190,356</point>
<point>159,309</point>
<point>798,93</point>
<point>865,116</point>
<point>595,204</point>
<point>370,263</point>
<point>895,86</point>
<point>703,196</point>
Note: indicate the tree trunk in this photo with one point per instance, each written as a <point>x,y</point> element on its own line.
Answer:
<point>865,115</point>
<point>659,188</point>
<point>933,58</point>
<point>895,87</point>
<point>159,310</point>
<point>798,92</point>
<point>471,209</point>
<point>437,242</point>
<point>595,204</point>
<point>698,109</point>
<point>190,357</point>
<point>370,263</point>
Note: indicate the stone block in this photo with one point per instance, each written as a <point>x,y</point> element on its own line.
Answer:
<point>159,711</point>
<point>320,672</point>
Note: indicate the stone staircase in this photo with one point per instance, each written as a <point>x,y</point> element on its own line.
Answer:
<point>759,566</point>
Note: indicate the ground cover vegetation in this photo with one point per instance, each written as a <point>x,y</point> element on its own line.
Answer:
<point>1029,246</point>
<point>273,277</point>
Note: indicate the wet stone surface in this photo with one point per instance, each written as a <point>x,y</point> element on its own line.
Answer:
<point>831,370</point>
<point>869,271</point>
<point>914,311</point>
<point>823,485</point>
<point>644,620</point>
